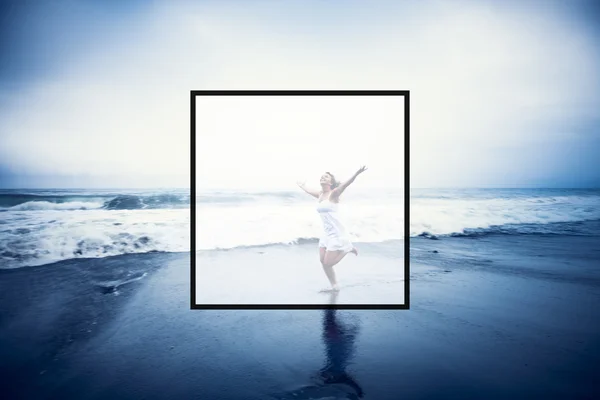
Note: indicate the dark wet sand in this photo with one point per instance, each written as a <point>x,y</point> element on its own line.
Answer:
<point>489,319</point>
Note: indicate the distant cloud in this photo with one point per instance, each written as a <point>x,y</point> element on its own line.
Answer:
<point>501,95</point>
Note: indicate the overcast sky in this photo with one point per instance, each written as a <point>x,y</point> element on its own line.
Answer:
<point>274,141</point>
<point>96,93</point>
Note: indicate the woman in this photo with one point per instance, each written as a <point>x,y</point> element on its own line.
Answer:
<point>335,243</point>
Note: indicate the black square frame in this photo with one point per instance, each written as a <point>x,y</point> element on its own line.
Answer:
<point>403,93</point>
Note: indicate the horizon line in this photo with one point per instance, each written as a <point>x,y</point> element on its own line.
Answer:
<point>285,188</point>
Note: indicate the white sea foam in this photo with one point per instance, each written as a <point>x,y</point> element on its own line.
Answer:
<point>447,216</point>
<point>46,205</point>
<point>40,237</point>
<point>39,232</point>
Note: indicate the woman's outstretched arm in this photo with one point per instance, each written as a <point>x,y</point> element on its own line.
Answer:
<point>311,192</point>
<point>340,189</point>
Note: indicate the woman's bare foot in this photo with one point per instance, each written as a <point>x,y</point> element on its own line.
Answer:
<point>334,288</point>
<point>354,251</point>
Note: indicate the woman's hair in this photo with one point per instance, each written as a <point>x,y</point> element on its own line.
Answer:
<point>334,182</point>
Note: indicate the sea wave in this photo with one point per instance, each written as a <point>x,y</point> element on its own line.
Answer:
<point>133,202</point>
<point>147,200</point>
<point>11,200</point>
<point>46,205</point>
<point>38,232</point>
<point>460,216</point>
<point>69,202</point>
<point>29,239</point>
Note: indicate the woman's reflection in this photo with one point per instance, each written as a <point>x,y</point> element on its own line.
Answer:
<point>332,381</point>
<point>339,341</point>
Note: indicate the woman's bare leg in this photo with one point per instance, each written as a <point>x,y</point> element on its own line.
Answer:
<point>329,272</point>
<point>334,257</point>
<point>331,276</point>
<point>331,259</point>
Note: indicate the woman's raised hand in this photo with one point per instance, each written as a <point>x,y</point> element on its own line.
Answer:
<point>361,170</point>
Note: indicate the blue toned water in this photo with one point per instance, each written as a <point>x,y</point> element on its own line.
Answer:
<point>502,305</point>
<point>43,226</point>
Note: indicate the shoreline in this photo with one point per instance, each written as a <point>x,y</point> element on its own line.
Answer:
<point>508,327</point>
<point>280,275</point>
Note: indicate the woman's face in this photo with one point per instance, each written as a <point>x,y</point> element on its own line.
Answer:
<point>326,179</point>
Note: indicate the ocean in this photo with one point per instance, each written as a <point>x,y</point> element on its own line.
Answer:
<point>95,296</point>
<point>39,227</point>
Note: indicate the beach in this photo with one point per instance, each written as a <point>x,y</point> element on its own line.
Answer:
<point>292,275</point>
<point>168,171</point>
<point>494,317</point>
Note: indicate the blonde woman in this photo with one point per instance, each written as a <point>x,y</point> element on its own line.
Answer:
<point>335,243</point>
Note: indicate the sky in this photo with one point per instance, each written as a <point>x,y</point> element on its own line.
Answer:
<point>503,94</point>
<point>273,142</point>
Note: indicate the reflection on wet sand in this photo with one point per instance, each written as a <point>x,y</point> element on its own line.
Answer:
<point>332,381</point>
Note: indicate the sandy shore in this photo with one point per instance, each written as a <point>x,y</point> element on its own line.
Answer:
<point>294,275</point>
<point>497,326</point>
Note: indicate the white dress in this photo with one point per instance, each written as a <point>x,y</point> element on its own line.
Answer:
<point>335,236</point>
